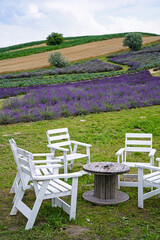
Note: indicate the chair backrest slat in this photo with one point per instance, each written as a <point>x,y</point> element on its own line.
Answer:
<point>26,171</point>
<point>139,135</point>
<point>59,130</point>
<point>61,144</point>
<point>137,149</point>
<point>138,142</point>
<point>60,137</point>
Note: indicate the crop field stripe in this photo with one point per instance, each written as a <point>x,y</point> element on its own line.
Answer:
<point>76,53</point>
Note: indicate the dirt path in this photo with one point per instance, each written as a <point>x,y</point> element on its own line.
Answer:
<point>76,53</point>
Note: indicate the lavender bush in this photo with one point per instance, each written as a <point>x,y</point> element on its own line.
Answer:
<point>107,94</point>
<point>91,66</point>
<point>148,57</point>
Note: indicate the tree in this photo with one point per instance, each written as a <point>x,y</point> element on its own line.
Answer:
<point>133,41</point>
<point>54,38</point>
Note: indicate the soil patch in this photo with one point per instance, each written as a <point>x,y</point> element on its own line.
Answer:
<point>76,53</point>
<point>74,230</point>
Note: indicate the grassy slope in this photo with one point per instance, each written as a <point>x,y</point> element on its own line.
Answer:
<point>105,131</point>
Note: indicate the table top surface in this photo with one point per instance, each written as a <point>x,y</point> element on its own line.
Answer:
<point>103,168</point>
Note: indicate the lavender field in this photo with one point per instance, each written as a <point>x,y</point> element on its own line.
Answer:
<point>92,66</point>
<point>99,95</point>
<point>149,57</point>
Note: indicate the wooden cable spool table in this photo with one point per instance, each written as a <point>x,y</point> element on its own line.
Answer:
<point>105,183</point>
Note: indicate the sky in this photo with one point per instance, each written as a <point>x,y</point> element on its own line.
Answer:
<point>24,21</point>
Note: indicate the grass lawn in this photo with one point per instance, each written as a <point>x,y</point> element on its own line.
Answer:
<point>105,131</point>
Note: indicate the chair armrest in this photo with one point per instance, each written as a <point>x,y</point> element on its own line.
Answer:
<point>57,148</point>
<point>158,159</point>
<point>148,167</point>
<point>82,144</point>
<point>152,152</point>
<point>57,176</point>
<point>120,151</point>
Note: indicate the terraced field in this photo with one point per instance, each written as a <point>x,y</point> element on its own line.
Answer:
<point>75,53</point>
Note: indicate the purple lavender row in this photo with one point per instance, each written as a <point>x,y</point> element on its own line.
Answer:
<point>91,66</point>
<point>100,95</point>
<point>145,58</point>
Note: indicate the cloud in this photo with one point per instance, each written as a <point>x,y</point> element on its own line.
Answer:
<point>13,34</point>
<point>130,24</point>
<point>34,20</point>
<point>32,11</point>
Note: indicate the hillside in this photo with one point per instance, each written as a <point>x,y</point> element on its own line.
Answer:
<point>80,52</point>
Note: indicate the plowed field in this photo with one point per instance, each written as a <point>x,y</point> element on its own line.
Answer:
<point>76,53</point>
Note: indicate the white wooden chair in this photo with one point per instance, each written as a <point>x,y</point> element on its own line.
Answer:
<point>148,180</point>
<point>46,183</point>
<point>58,139</point>
<point>139,143</point>
<point>48,160</point>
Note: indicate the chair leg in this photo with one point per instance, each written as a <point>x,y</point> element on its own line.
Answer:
<point>15,184</point>
<point>74,198</point>
<point>37,204</point>
<point>140,187</point>
<point>26,180</point>
<point>88,153</point>
<point>19,195</point>
<point>53,202</point>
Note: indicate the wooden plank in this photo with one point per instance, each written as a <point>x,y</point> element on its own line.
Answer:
<point>138,142</point>
<point>151,193</point>
<point>62,143</point>
<point>26,211</point>
<point>55,195</point>
<point>49,190</point>
<point>26,170</point>
<point>106,168</point>
<point>23,152</point>
<point>58,186</point>
<point>60,130</point>
<point>66,185</point>
<point>24,161</point>
<point>38,172</point>
<point>46,171</point>
<point>75,156</point>
<point>59,137</point>
<point>63,205</point>
<point>138,135</point>
<point>137,149</point>
<point>150,175</point>
<point>153,178</point>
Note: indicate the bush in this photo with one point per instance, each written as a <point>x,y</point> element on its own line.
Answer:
<point>56,59</point>
<point>133,41</point>
<point>54,39</point>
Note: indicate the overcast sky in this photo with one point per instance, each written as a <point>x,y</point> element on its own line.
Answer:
<point>33,20</point>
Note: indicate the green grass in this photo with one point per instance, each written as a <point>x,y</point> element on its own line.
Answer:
<point>105,131</point>
<point>6,53</point>
<point>55,79</point>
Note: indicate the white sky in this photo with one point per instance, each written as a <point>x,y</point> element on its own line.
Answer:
<point>33,20</point>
